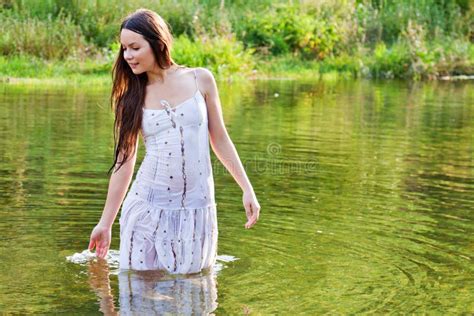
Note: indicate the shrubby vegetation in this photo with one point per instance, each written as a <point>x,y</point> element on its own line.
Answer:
<point>368,38</point>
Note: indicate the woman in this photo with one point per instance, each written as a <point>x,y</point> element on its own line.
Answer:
<point>168,220</point>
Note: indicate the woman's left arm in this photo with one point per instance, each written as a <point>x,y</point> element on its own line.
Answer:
<point>223,146</point>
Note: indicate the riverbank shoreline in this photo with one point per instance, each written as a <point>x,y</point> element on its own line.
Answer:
<point>105,80</point>
<point>95,71</point>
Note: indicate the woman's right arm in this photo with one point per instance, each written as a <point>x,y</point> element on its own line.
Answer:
<point>118,186</point>
<point>119,181</point>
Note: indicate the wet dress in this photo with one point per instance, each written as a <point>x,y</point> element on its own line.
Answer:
<point>168,219</point>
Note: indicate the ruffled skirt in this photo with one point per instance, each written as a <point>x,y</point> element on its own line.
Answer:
<point>178,241</point>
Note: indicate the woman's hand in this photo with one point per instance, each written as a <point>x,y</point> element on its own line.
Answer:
<point>100,238</point>
<point>252,208</point>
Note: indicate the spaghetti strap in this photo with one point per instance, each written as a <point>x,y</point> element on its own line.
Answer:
<point>195,79</point>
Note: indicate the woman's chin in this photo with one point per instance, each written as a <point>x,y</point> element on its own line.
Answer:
<point>136,71</point>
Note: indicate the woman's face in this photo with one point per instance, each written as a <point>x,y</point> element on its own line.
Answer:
<point>137,52</point>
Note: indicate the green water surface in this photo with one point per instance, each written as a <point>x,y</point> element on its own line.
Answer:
<point>366,191</point>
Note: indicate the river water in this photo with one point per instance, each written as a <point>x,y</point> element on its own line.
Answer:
<point>366,191</point>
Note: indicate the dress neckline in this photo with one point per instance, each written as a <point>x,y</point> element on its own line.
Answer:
<point>180,104</point>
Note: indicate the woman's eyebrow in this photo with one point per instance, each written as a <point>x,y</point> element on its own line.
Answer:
<point>130,43</point>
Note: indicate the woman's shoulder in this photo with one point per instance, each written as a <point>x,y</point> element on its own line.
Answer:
<point>203,72</point>
<point>204,76</point>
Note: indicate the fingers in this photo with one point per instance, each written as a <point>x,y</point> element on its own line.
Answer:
<point>100,253</point>
<point>103,253</point>
<point>253,213</point>
<point>251,221</point>
<point>248,212</point>
<point>91,244</point>
<point>258,212</point>
<point>102,249</point>
<point>101,241</point>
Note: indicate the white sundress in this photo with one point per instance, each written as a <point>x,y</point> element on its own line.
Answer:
<point>168,219</point>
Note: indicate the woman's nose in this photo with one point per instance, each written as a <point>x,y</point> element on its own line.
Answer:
<point>127,56</point>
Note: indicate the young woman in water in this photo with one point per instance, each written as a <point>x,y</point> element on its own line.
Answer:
<point>168,219</point>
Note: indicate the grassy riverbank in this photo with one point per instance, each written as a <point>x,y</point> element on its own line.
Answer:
<point>77,40</point>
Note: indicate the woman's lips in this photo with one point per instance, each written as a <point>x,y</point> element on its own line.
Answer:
<point>134,65</point>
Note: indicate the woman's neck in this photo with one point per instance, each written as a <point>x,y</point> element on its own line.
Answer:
<point>161,75</point>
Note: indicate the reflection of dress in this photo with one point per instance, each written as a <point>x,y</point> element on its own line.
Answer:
<point>168,219</point>
<point>144,294</point>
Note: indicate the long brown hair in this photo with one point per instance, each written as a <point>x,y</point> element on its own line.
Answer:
<point>128,91</point>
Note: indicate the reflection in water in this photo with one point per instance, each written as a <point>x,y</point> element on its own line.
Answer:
<point>152,292</point>
<point>100,284</point>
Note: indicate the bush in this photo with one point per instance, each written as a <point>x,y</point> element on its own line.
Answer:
<point>53,38</point>
<point>386,20</point>
<point>392,62</point>
<point>224,55</point>
<point>288,29</point>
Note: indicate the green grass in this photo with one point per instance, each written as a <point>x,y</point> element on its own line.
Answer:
<point>72,40</point>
